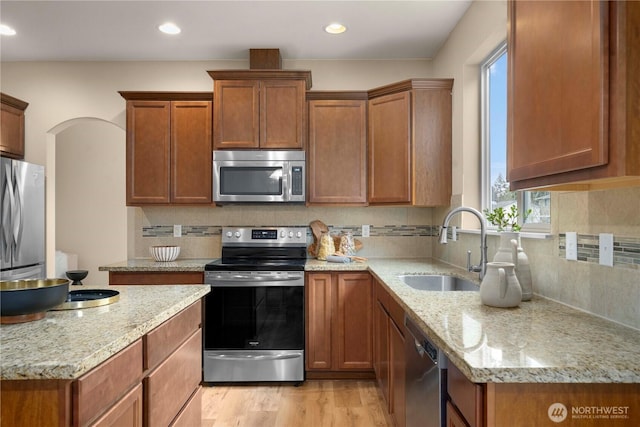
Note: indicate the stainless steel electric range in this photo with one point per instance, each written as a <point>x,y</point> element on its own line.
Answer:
<point>254,314</point>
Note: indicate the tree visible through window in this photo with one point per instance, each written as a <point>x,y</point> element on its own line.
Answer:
<point>496,191</point>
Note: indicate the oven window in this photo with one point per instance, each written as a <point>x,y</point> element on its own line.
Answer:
<point>258,318</point>
<point>251,181</point>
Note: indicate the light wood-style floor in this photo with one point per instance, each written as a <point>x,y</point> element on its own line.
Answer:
<point>315,403</point>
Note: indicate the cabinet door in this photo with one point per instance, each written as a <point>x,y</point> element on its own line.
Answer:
<point>389,149</point>
<point>170,386</point>
<point>191,160</point>
<point>282,114</point>
<point>558,87</point>
<point>126,413</point>
<point>237,116</point>
<point>11,131</point>
<point>397,367</point>
<point>354,319</point>
<point>337,152</point>
<point>318,308</point>
<point>148,152</point>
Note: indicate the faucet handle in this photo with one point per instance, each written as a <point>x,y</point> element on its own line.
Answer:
<point>472,268</point>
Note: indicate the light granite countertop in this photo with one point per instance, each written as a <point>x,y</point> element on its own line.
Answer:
<point>149,264</point>
<point>66,344</point>
<point>540,341</point>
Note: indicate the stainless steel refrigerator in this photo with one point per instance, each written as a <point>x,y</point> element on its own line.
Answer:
<point>23,220</point>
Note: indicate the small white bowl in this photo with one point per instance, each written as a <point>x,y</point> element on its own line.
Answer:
<point>164,253</point>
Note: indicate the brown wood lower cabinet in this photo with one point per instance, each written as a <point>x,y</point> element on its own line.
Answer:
<point>339,325</point>
<point>389,354</point>
<point>466,399</point>
<point>153,382</point>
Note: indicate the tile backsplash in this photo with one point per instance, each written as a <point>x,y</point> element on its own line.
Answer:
<point>406,232</point>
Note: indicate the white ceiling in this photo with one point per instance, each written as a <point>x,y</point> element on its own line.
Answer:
<point>127,30</point>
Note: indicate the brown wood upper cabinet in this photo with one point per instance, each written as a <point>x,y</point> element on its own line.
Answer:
<point>168,148</point>
<point>410,143</point>
<point>339,321</point>
<point>260,109</point>
<point>573,95</point>
<point>12,126</point>
<point>337,149</point>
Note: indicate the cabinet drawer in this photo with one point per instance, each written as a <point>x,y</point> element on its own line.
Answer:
<point>156,278</point>
<point>103,386</point>
<point>127,412</point>
<point>164,339</point>
<point>171,384</point>
<point>466,396</point>
<point>191,414</point>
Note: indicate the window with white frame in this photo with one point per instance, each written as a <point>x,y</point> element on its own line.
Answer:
<point>495,187</point>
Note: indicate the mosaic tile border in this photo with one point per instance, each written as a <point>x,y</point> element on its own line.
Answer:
<point>375,231</point>
<point>626,250</point>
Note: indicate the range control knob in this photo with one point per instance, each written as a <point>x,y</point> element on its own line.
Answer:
<point>237,234</point>
<point>229,234</point>
<point>283,234</point>
<point>291,234</point>
<point>299,234</point>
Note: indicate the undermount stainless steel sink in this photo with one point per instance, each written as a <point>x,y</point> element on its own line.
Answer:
<point>437,282</point>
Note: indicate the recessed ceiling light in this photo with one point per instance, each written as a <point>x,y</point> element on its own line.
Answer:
<point>6,30</point>
<point>169,28</point>
<point>335,28</point>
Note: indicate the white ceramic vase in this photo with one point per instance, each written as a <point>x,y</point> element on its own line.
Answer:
<point>506,252</point>
<point>523,271</point>
<point>500,287</point>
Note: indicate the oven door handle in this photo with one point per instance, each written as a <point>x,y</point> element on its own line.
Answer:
<point>245,357</point>
<point>225,281</point>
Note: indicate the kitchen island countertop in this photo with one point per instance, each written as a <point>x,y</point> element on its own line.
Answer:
<point>66,344</point>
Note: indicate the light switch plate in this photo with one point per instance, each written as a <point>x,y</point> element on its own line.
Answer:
<point>606,249</point>
<point>571,246</point>
<point>177,231</point>
<point>365,230</point>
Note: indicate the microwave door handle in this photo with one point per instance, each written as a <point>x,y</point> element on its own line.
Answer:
<point>285,182</point>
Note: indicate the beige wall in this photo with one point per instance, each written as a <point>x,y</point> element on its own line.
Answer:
<point>91,218</point>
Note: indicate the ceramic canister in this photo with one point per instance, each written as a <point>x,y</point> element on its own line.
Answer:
<point>500,287</point>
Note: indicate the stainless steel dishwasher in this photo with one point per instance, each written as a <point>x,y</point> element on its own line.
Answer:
<point>425,379</point>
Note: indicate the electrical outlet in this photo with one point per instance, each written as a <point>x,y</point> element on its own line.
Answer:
<point>177,231</point>
<point>572,246</point>
<point>606,249</point>
<point>365,230</point>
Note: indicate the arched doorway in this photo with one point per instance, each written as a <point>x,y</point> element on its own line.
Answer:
<point>86,193</point>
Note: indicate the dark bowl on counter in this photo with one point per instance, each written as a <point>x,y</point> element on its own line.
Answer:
<point>27,300</point>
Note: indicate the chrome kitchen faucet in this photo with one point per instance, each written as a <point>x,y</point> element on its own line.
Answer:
<point>482,267</point>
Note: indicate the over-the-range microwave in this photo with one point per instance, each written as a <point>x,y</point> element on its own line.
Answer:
<point>258,176</point>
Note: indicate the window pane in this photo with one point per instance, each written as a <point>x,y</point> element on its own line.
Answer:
<point>497,122</point>
<point>497,194</point>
